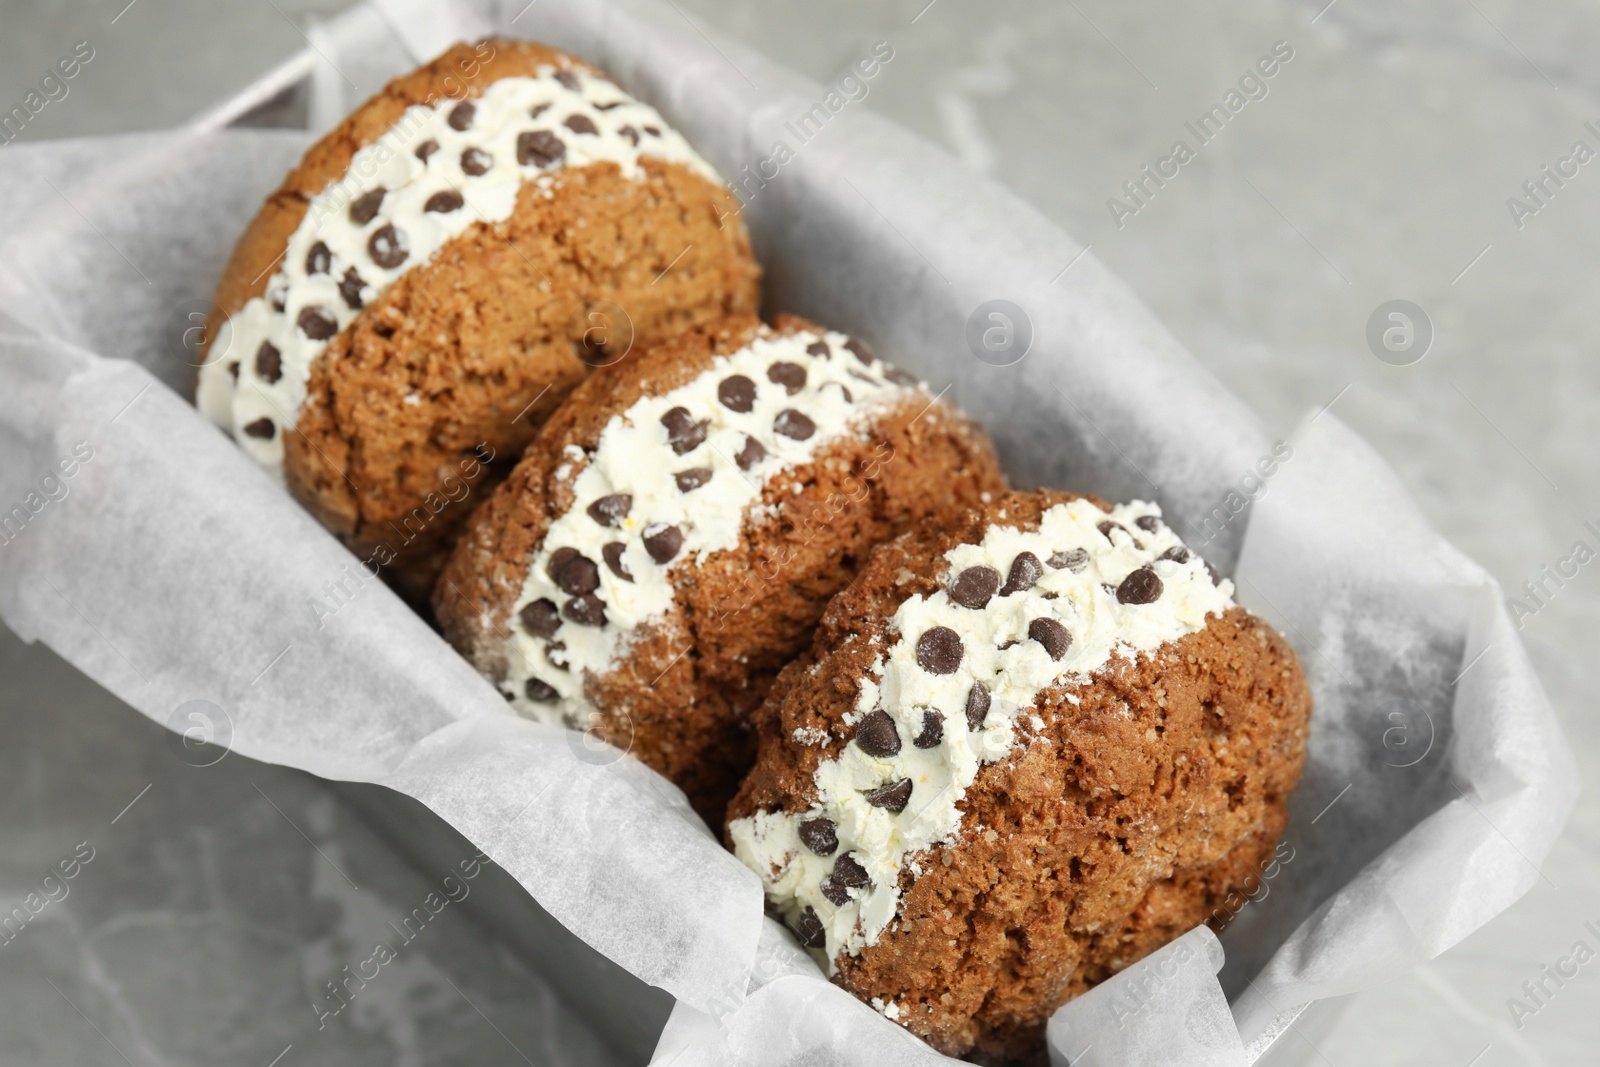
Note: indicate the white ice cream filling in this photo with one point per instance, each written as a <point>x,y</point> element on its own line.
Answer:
<point>439,170</point>
<point>1087,587</point>
<point>688,493</point>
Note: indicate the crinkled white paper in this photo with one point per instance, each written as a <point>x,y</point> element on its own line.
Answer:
<point>171,570</point>
<point>1169,1000</point>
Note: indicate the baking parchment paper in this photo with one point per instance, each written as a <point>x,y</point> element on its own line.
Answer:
<point>172,571</point>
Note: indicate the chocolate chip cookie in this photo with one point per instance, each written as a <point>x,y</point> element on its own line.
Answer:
<point>440,270</point>
<point>672,536</point>
<point>1023,751</point>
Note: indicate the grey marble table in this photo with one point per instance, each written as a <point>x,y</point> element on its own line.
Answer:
<point>1384,160</point>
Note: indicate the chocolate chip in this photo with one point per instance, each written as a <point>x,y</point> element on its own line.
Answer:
<point>974,586</point>
<point>585,610</point>
<point>1107,526</point>
<point>559,559</point>
<point>848,872</point>
<point>1148,523</point>
<point>611,510</point>
<point>939,650</point>
<point>540,617</point>
<point>1177,554</point>
<point>631,134</point>
<point>977,706</point>
<point>1073,559</point>
<point>1140,587</point>
<point>573,572</point>
<point>461,115</point>
<point>692,479</point>
<point>664,544</point>
<point>568,79</point>
<point>316,323</point>
<point>1216,579</point>
<point>269,362</point>
<point>578,576</point>
<point>792,376</point>
<point>388,247</point>
<point>737,393</point>
<point>820,836</point>
<point>426,149</point>
<point>892,797</point>
<point>538,109</point>
<point>612,553</point>
<point>350,288</point>
<point>476,162</point>
<point>539,148</point>
<point>541,692</point>
<point>932,729</point>
<point>752,453</point>
<point>877,735</point>
<point>1025,570</point>
<point>233,369</point>
<point>444,202</point>
<point>846,393</point>
<point>819,349</point>
<point>652,131</point>
<point>555,655</point>
<point>836,894</point>
<point>319,259</point>
<point>683,433</point>
<point>809,930</point>
<point>899,377</point>
<point>869,379</point>
<point>793,424</point>
<point>262,428</point>
<point>1052,635</point>
<point>278,299</point>
<point>365,207</point>
<point>580,124</point>
<point>859,347</point>
<point>608,107</point>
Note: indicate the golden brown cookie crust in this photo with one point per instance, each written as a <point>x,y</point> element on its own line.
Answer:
<point>488,336</point>
<point>743,612</point>
<point>1121,824</point>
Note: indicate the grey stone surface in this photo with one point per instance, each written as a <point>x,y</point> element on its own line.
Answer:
<point>1378,166</point>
